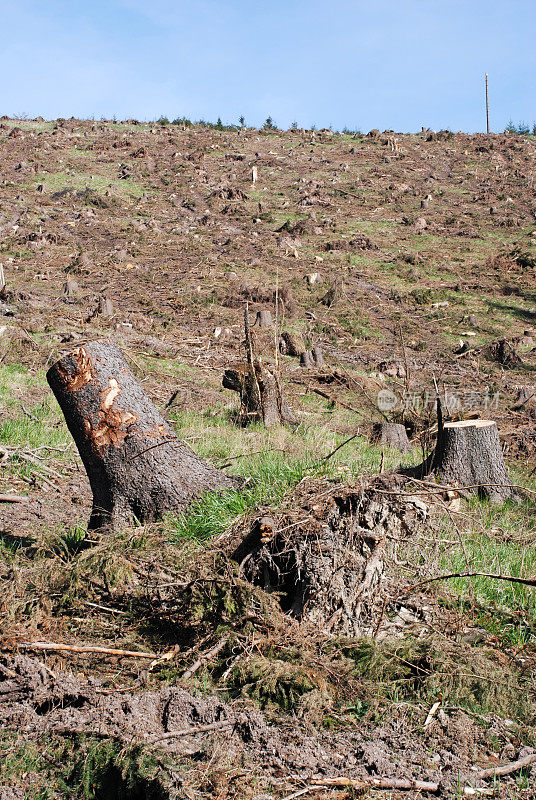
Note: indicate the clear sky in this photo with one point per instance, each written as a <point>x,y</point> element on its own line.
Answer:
<point>393,64</point>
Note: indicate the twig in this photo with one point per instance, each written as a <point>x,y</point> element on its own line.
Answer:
<point>340,445</point>
<point>13,498</point>
<point>71,648</point>
<point>507,769</point>
<point>29,413</point>
<point>349,194</point>
<point>511,578</point>
<point>213,726</point>
<point>254,453</point>
<point>378,783</point>
<point>171,440</point>
<point>205,657</point>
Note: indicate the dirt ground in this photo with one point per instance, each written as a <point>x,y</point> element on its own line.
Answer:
<point>407,259</point>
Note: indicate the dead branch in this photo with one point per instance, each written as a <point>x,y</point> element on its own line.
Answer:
<point>205,657</point>
<point>494,576</point>
<point>71,648</point>
<point>346,441</point>
<point>12,498</point>
<point>507,769</point>
<point>213,726</point>
<point>378,783</point>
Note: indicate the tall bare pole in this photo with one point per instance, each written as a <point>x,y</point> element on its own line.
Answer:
<point>487,104</point>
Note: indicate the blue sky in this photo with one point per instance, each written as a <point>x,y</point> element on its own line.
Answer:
<point>376,63</point>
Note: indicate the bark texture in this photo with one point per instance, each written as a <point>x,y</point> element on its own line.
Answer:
<point>468,454</point>
<point>391,434</point>
<point>259,385</point>
<point>136,465</point>
<point>329,570</point>
<point>261,396</point>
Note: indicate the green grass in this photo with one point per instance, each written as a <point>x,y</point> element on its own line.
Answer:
<point>271,461</point>
<point>39,427</point>
<point>497,540</point>
<point>58,181</point>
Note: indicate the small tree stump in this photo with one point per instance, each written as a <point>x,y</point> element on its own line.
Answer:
<point>136,465</point>
<point>290,344</point>
<point>391,434</point>
<point>318,356</point>
<point>306,359</point>
<point>261,398</point>
<point>105,307</point>
<point>70,290</point>
<point>259,386</point>
<point>334,293</point>
<point>264,319</point>
<point>468,454</point>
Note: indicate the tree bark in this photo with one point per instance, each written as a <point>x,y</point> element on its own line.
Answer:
<point>391,434</point>
<point>290,344</point>
<point>468,454</point>
<point>259,387</point>
<point>261,396</point>
<point>318,357</point>
<point>137,467</point>
<point>329,570</point>
<point>306,359</point>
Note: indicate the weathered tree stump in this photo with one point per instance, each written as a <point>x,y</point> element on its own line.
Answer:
<point>318,356</point>
<point>136,465</point>
<point>70,290</point>
<point>391,434</point>
<point>261,397</point>
<point>334,293</point>
<point>329,570</point>
<point>290,344</point>
<point>264,319</point>
<point>468,455</point>
<point>105,307</point>
<point>259,385</point>
<point>306,359</point>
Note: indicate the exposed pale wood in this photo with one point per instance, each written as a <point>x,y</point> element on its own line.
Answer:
<point>507,769</point>
<point>58,647</point>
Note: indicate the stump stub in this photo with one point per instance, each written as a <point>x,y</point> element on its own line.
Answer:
<point>391,434</point>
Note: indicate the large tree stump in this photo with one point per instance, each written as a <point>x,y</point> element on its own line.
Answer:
<point>391,434</point>
<point>326,558</point>
<point>468,455</point>
<point>136,465</point>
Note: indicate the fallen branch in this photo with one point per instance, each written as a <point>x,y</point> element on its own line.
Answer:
<point>213,726</point>
<point>507,769</point>
<point>205,657</point>
<point>378,783</point>
<point>511,578</point>
<point>329,455</point>
<point>71,648</point>
<point>12,498</point>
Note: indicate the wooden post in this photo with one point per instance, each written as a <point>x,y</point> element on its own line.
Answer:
<point>487,104</point>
